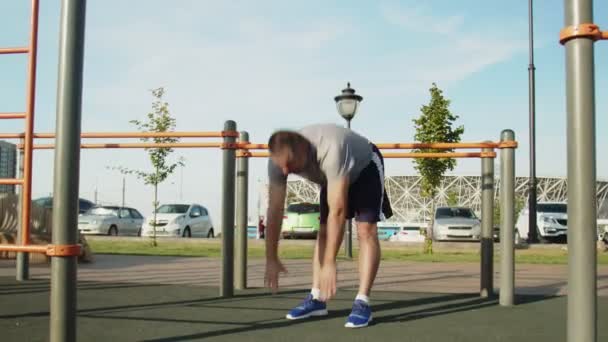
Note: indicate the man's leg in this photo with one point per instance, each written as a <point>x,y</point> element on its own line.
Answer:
<point>369,255</point>
<point>318,255</point>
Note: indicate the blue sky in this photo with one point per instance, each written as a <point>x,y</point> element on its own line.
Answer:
<point>275,64</point>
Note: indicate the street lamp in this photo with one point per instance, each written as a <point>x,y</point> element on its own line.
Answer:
<point>347,104</point>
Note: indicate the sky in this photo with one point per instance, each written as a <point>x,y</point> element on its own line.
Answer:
<point>272,64</point>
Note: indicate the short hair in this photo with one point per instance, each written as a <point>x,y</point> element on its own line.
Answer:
<point>281,139</point>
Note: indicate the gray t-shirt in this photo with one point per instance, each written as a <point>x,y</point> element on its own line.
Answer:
<point>337,152</point>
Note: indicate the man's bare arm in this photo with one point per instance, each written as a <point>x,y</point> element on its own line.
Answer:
<point>276,201</point>
<point>337,199</point>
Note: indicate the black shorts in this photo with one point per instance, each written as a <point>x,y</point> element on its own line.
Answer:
<point>367,200</point>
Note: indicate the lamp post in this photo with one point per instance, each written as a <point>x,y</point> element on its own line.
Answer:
<point>347,104</point>
<point>532,232</point>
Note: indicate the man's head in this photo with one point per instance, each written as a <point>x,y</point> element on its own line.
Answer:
<point>289,151</point>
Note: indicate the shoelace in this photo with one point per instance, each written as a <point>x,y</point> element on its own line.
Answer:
<point>359,308</point>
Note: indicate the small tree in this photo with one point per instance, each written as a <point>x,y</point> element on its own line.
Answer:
<point>158,120</point>
<point>519,206</point>
<point>452,199</point>
<point>435,125</point>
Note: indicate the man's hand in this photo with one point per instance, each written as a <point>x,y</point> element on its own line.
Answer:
<point>271,278</point>
<point>328,280</point>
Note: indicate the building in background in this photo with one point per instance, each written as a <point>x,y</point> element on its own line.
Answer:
<point>8,165</point>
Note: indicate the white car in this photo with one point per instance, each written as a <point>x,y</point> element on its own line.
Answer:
<point>110,220</point>
<point>456,223</point>
<point>602,230</point>
<point>409,232</point>
<point>185,220</point>
<point>551,222</point>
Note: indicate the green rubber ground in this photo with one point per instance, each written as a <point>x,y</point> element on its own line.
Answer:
<point>133,312</point>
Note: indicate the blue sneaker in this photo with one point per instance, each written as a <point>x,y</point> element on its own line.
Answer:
<point>308,308</point>
<point>361,315</point>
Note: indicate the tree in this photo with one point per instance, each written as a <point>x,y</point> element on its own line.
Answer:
<point>435,124</point>
<point>520,202</point>
<point>158,120</point>
<point>452,199</point>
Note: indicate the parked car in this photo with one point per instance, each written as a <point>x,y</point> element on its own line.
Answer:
<point>301,220</point>
<point>551,222</point>
<point>456,223</point>
<point>185,220</point>
<point>111,220</point>
<point>410,232</point>
<point>602,230</point>
<point>47,202</point>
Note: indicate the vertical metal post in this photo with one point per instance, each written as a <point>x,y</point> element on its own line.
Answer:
<point>242,196</point>
<point>227,279</point>
<point>507,225</point>
<point>580,107</point>
<point>23,259</point>
<point>487,225</point>
<point>348,238</point>
<point>532,232</point>
<point>67,169</point>
<point>123,192</point>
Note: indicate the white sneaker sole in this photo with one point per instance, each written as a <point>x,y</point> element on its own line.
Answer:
<point>353,326</point>
<point>310,314</point>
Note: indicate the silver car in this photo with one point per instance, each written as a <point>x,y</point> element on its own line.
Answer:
<point>456,223</point>
<point>111,220</point>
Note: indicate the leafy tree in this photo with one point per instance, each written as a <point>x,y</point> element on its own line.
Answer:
<point>158,120</point>
<point>434,125</point>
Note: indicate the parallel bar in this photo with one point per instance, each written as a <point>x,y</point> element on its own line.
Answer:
<point>14,50</point>
<point>414,155</point>
<point>487,225</point>
<point>438,146</point>
<point>124,135</point>
<point>12,115</point>
<point>229,161</point>
<point>29,248</point>
<point>441,155</point>
<point>11,181</point>
<point>67,170</point>
<point>242,187</point>
<point>404,146</point>
<point>507,221</point>
<point>134,145</point>
<point>580,109</point>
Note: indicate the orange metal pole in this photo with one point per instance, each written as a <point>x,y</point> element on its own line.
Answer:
<point>120,135</point>
<point>438,146</point>
<point>11,181</point>
<point>413,155</point>
<point>441,155</point>
<point>253,146</point>
<point>12,115</point>
<point>134,145</point>
<point>26,249</point>
<point>29,125</point>
<point>13,50</point>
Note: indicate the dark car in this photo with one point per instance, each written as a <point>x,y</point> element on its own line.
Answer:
<point>47,202</point>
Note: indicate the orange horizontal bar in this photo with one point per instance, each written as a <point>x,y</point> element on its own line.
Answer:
<point>407,155</point>
<point>27,248</point>
<point>11,181</point>
<point>249,146</point>
<point>121,135</point>
<point>12,115</point>
<point>395,146</point>
<point>133,145</point>
<point>13,50</point>
<point>441,155</point>
<point>438,146</point>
